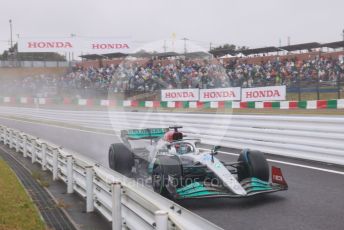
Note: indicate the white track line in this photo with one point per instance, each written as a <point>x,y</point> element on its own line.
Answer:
<point>289,163</point>
<point>56,126</point>
<point>307,167</point>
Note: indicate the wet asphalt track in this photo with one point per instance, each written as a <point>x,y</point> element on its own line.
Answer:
<point>315,199</point>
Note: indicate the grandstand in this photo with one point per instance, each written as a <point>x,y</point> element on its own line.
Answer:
<point>303,68</point>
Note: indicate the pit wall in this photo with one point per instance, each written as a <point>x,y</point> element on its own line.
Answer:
<point>314,104</point>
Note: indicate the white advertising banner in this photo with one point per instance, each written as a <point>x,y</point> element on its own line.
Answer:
<point>47,45</point>
<point>220,94</point>
<point>270,93</point>
<point>75,44</point>
<point>180,95</point>
<point>105,46</point>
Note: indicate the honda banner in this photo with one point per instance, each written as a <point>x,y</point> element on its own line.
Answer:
<point>220,94</point>
<point>103,46</point>
<point>180,95</point>
<point>76,44</point>
<point>47,45</point>
<point>271,93</point>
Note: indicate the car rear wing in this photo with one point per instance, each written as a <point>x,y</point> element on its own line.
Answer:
<point>139,134</point>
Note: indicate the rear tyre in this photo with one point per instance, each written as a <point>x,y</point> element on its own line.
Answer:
<point>253,164</point>
<point>121,159</point>
<point>165,166</point>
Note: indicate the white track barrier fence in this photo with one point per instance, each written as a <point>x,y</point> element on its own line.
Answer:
<point>307,137</point>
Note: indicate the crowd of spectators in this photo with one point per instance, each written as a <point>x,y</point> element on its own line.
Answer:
<point>197,73</point>
<point>291,72</point>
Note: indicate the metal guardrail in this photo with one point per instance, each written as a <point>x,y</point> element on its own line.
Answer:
<point>312,138</point>
<point>119,199</point>
<point>308,137</point>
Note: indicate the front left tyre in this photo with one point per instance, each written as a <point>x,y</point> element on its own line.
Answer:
<point>253,164</point>
<point>165,167</point>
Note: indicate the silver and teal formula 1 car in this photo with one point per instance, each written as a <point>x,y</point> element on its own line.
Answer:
<point>179,169</point>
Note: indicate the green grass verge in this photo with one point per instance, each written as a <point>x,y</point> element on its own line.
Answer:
<point>17,211</point>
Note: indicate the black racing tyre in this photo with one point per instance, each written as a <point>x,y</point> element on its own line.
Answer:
<point>163,167</point>
<point>121,159</point>
<point>253,164</point>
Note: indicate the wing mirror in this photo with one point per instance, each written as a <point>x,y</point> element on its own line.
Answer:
<point>215,149</point>
<point>214,152</point>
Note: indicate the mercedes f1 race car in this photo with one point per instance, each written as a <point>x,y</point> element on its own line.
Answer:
<point>179,169</point>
